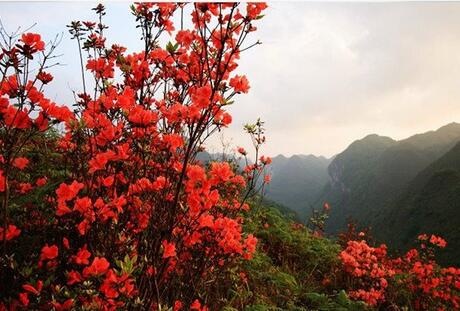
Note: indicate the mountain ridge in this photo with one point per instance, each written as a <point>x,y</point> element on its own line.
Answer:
<point>366,182</point>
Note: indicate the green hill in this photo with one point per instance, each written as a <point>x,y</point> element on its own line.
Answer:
<point>352,173</point>
<point>430,204</point>
<point>372,173</point>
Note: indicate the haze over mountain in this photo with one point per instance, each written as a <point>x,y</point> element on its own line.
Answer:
<point>297,181</point>
<point>411,184</point>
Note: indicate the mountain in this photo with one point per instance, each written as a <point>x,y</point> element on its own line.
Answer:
<point>372,173</point>
<point>430,204</point>
<point>352,173</point>
<point>297,181</point>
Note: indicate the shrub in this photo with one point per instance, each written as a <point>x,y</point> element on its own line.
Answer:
<point>115,212</point>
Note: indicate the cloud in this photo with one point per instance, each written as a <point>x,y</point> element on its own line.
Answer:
<point>326,74</point>
<point>330,73</point>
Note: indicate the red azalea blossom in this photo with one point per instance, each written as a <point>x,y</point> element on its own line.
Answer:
<point>177,305</point>
<point>66,305</point>
<point>438,241</point>
<point>24,298</point>
<point>169,249</point>
<point>41,181</point>
<point>98,266</point>
<point>33,42</point>
<point>49,252</point>
<point>45,77</point>
<point>240,84</point>
<point>11,232</point>
<point>82,257</point>
<point>67,192</point>
<point>20,163</point>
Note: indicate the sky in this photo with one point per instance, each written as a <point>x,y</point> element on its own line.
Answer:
<point>325,75</point>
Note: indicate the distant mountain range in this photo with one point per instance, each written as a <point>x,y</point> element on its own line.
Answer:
<point>398,188</point>
<point>297,181</point>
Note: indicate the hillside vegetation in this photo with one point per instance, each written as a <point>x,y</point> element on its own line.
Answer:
<point>296,268</point>
<point>399,189</point>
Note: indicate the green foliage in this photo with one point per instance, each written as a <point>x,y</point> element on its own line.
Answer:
<point>339,302</point>
<point>288,270</point>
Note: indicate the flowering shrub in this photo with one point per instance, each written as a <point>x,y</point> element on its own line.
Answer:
<point>380,280</point>
<point>115,212</point>
<point>368,268</point>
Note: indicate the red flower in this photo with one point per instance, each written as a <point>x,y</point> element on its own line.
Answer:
<point>67,192</point>
<point>160,55</point>
<point>24,298</point>
<point>108,181</point>
<point>82,205</point>
<point>423,237</point>
<point>16,118</point>
<point>98,266</point>
<point>206,221</point>
<point>174,141</point>
<point>265,160</point>
<point>73,277</point>
<point>83,227</point>
<point>82,256</point>
<point>100,161</point>
<point>185,38</point>
<point>177,305</point>
<point>242,151</point>
<point>11,232</point>
<point>42,121</point>
<point>44,77</point>
<point>49,252</point>
<point>101,67</point>
<point>33,42</point>
<point>62,208</point>
<point>438,241</point>
<point>41,181</point>
<point>24,187</point>
<point>202,96</point>
<point>221,171</point>
<point>9,86</point>
<point>254,9</point>
<point>66,243</point>
<point>240,84</point>
<point>250,245</point>
<point>141,116</point>
<point>196,305</point>
<point>33,290</point>
<point>20,163</point>
<point>169,249</point>
<point>226,119</point>
<point>267,179</point>
<point>66,305</point>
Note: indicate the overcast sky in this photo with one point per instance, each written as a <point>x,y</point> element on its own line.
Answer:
<point>326,74</point>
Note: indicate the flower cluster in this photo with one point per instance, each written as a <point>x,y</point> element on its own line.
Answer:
<point>368,266</point>
<point>380,280</point>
